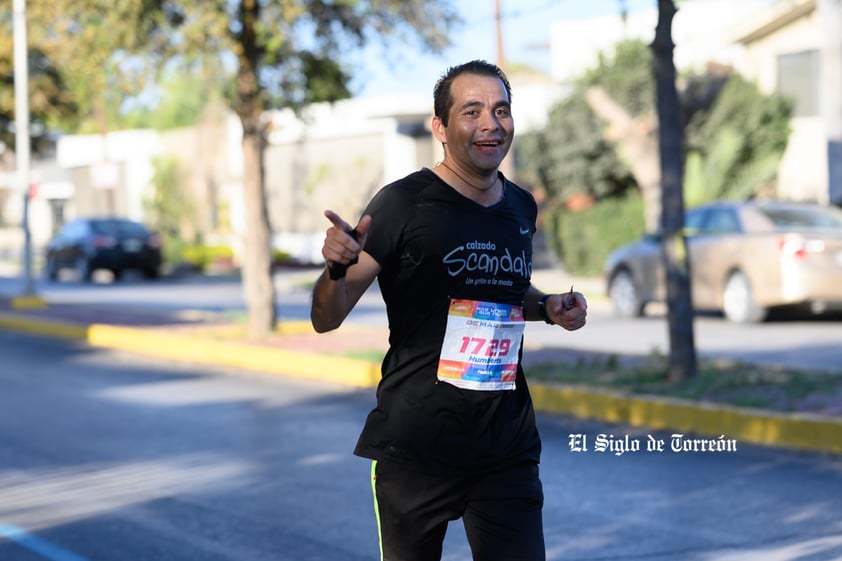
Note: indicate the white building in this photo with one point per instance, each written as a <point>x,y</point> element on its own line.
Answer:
<point>783,45</point>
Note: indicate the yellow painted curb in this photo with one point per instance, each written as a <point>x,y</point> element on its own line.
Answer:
<point>295,328</point>
<point>184,348</point>
<point>51,328</point>
<point>805,432</point>
<point>27,303</point>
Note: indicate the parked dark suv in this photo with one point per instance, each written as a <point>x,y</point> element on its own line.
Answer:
<point>115,244</point>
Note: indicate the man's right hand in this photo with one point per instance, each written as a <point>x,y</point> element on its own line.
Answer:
<point>343,243</point>
<point>333,300</point>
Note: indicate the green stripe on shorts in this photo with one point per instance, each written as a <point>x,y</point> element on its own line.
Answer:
<point>376,506</point>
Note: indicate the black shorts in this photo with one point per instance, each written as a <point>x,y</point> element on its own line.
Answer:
<point>501,512</point>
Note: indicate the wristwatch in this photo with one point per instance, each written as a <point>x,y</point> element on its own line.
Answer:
<point>542,309</point>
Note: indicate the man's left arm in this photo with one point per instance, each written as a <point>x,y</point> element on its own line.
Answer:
<point>567,309</point>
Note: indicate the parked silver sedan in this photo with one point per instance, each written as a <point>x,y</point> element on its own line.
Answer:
<point>746,257</point>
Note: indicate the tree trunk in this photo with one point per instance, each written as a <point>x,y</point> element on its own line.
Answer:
<point>682,356</point>
<point>639,145</point>
<point>257,267</point>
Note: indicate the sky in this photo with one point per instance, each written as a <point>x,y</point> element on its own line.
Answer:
<point>526,38</point>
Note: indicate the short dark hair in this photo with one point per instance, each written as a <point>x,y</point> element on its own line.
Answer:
<point>443,100</point>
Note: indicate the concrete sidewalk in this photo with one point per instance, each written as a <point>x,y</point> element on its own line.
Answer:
<point>298,351</point>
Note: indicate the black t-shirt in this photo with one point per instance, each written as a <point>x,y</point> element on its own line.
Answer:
<point>434,244</point>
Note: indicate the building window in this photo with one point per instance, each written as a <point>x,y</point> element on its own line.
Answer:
<point>798,80</point>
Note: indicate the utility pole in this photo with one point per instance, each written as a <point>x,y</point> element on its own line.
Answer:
<point>22,148</point>
<point>624,15</point>
<point>507,166</point>
<point>498,19</point>
<point>830,15</point>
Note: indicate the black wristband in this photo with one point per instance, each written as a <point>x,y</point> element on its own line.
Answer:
<point>337,271</point>
<point>542,309</point>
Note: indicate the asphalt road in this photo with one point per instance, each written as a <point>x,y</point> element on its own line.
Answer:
<point>105,456</point>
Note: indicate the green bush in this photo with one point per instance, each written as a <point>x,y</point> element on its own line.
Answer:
<point>583,239</point>
<point>172,246</point>
<point>200,256</point>
<point>169,207</point>
<point>280,256</point>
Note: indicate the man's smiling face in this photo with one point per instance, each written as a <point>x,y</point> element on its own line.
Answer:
<point>480,126</point>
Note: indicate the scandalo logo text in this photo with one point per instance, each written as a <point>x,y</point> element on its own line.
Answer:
<point>482,257</point>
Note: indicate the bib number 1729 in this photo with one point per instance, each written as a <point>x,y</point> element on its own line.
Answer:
<point>479,346</point>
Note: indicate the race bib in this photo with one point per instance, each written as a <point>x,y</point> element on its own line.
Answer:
<point>481,345</point>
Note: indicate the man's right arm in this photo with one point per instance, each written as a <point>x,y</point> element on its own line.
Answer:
<point>333,300</point>
<point>354,271</point>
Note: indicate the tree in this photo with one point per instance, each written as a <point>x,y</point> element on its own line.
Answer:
<point>286,54</point>
<point>635,93</point>
<point>183,102</point>
<point>51,99</point>
<point>85,53</point>
<point>682,357</point>
<point>572,156</point>
<point>89,48</point>
<point>602,142</point>
<point>734,149</point>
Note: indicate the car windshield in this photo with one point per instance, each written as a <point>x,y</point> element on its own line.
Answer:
<point>118,228</point>
<point>804,218</point>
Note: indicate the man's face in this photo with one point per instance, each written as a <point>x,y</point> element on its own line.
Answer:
<point>480,126</point>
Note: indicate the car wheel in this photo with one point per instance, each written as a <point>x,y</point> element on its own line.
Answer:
<point>624,296</point>
<point>83,269</point>
<point>151,273</point>
<point>738,303</point>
